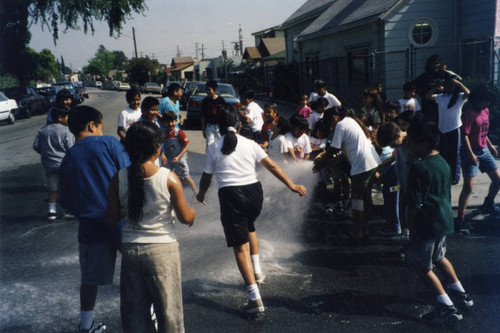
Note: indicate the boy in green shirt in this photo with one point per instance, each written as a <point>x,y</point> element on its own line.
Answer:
<point>430,220</point>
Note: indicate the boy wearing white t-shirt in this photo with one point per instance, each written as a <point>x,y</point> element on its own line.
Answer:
<point>131,113</point>
<point>409,102</point>
<point>320,91</point>
<point>253,115</point>
<point>298,139</point>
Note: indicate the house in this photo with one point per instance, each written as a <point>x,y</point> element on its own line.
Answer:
<point>213,69</point>
<point>182,68</point>
<point>356,43</point>
<point>269,48</point>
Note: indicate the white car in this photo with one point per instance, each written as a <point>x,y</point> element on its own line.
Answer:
<point>8,109</point>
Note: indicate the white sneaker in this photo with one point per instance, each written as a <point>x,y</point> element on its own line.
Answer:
<point>259,278</point>
<point>256,306</point>
<point>95,328</point>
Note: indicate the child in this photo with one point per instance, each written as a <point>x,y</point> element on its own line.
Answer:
<point>149,113</point>
<point>131,113</point>
<point>210,105</point>
<point>304,109</point>
<point>64,100</point>
<point>319,108</point>
<point>233,159</point>
<point>476,153</point>
<point>450,104</point>
<point>320,91</point>
<point>278,144</point>
<point>298,139</point>
<point>52,142</point>
<point>85,173</point>
<point>431,219</point>
<point>171,103</point>
<point>372,108</point>
<point>146,196</point>
<point>253,115</point>
<point>270,116</point>
<point>175,147</point>
<point>391,110</point>
<point>406,118</point>
<point>409,102</point>
<point>318,137</point>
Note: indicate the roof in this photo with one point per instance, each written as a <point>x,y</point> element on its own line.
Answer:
<point>308,9</point>
<point>273,45</point>
<point>276,56</point>
<point>276,27</point>
<point>181,67</point>
<point>182,60</point>
<point>252,52</point>
<point>343,12</point>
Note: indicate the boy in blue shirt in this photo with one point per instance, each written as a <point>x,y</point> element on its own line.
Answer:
<point>430,219</point>
<point>85,173</point>
<point>171,103</point>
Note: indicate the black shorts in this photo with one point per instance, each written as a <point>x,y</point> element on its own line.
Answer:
<point>239,206</point>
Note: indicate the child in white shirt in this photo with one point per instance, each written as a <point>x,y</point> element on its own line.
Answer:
<point>298,139</point>
<point>409,102</point>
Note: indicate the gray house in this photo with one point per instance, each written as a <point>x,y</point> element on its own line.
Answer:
<point>356,43</point>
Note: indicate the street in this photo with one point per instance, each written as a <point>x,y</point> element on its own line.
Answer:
<point>316,281</point>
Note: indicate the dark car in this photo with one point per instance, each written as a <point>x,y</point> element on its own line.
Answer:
<point>226,91</point>
<point>188,90</point>
<point>29,101</point>
<point>49,93</point>
<point>151,88</point>
<point>165,87</point>
<point>74,90</point>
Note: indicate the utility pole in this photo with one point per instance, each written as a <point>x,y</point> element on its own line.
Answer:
<point>241,41</point>
<point>178,54</point>
<point>202,51</point>
<point>135,44</point>
<point>196,49</point>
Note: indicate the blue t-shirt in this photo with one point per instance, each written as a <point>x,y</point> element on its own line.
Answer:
<point>85,173</point>
<point>167,105</point>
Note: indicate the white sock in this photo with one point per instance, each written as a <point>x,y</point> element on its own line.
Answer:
<point>457,286</point>
<point>86,319</point>
<point>52,207</point>
<point>256,264</point>
<point>444,299</point>
<point>253,292</point>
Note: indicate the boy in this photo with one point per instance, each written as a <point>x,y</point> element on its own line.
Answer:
<point>175,147</point>
<point>409,102</point>
<point>64,99</point>
<point>320,91</point>
<point>210,105</point>
<point>319,108</point>
<point>149,113</point>
<point>171,103</point>
<point>298,139</point>
<point>391,110</point>
<point>52,142</point>
<point>85,173</point>
<point>131,113</point>
<point>253,115</point>
<point>431,219</point>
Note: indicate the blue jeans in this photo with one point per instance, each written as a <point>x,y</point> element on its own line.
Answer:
<point>391,198</point>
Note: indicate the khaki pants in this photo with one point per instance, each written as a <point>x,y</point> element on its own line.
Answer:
<point>151,274</point>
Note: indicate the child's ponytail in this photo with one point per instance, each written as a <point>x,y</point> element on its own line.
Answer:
<point>229,122</point>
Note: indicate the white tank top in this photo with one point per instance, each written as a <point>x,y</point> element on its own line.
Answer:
<point>157,224</point>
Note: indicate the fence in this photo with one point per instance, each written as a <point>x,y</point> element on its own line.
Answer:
<point>348,76</point>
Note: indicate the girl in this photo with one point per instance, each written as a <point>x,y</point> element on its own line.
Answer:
<point>372,108</point>
<point>320,106</point>
<point>318,137</point>
<point>270,116</point>
<point>450,104</point>
<point>304,109</point>
<point>146,196</point>
<point>278,145</point>
<point>233,159</point>
<point>476,153</point>
<point>298,139</point>
<point>351,135</point>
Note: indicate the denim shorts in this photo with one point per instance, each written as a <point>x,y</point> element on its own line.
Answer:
<point>421,254</point>
<point>97,263</point>
<point>486,162</point>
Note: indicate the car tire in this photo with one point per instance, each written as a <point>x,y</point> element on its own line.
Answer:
<point>11,119</point>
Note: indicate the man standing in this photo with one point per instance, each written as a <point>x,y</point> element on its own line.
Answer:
<point>209,109</point>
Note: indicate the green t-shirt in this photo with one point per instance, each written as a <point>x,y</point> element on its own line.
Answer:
<point>430,181</point>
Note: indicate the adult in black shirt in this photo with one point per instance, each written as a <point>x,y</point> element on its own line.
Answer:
<point>210,106</point>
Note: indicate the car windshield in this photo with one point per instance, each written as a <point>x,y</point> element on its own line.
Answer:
<point>46,91</point>
<point>222,90</point>
<point>68,86</point>
<point>152,84</point>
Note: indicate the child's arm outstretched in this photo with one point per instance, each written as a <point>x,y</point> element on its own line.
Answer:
<point>276,170</point>
<point>206,179</point>
<point>184,213</point>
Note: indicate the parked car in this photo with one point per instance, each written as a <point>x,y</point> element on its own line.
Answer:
<point>109,85</point>
<point>151,88</point>
<point>188,89</point>
<point>98,84</point>
<point>226,91</point>
<point>165,87</point>
<point>49,93</point>
<point>28,101</point>
<point>8,109</point>
<point>74,90</point>
<point>122,86</point>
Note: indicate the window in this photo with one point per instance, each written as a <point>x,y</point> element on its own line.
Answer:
<point>423,32</point>
<point>358,66</point>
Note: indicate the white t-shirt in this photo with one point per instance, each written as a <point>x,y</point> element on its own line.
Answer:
<point>315,142</point>
<point>278,147</point>
<point>254,112</point>
<point>237,168</point>
<point>360,151</point>
<point>449,119</point>
<point>301,146</point>
<point>332,100</point>
<point>127,117</point>
<point>314,118</point>
<point>409,105</point>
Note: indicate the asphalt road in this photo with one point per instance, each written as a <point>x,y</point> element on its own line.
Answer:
<point>316,281</point>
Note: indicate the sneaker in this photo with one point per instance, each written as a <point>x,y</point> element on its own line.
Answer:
<point>443,314</point>
<point>461,227</point>
<point>51,216</point>
<point>259,278</point>
<point>461,299</point>
<point>256,306</point>
<point>489,207</point>
<point>95,328</point>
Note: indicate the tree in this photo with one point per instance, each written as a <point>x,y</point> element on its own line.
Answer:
<point>17,15</point>
<point>140,69</point>
<point>46,66</point>
<point>104,61</point>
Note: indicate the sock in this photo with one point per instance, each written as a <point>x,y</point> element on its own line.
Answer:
<point>256,264</point>
<point>86,319</point>
<point>52,207</point>
<point>444,299</point>
<point>457,286</point>
<point>253,292</point>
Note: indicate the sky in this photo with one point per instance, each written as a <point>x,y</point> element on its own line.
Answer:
<point>166,25</point>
